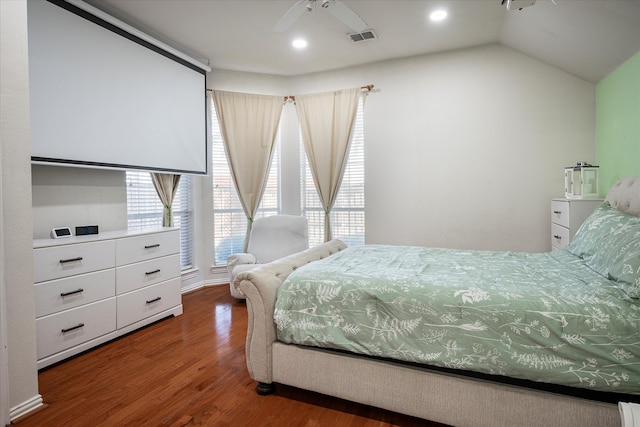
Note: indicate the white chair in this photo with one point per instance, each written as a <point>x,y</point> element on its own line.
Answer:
<point>271,238</point>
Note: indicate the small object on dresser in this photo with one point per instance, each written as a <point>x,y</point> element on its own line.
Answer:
<point>581,181</point>
<point>59,233</point>
<point>86,229</point>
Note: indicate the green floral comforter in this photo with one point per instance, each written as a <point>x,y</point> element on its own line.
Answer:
<point>545,317</point>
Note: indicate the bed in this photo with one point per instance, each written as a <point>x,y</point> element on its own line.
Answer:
<point>566,357</point>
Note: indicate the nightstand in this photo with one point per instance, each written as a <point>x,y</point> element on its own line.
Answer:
<point>567,215</point>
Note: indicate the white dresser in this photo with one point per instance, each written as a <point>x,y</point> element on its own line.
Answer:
<point>91,289</point>
<point>567,215</point>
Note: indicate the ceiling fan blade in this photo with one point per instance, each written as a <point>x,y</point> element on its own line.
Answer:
<point>291,16</point>
<point>348,17</point>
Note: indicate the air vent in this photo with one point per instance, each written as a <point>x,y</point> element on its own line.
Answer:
<point>363,36</point>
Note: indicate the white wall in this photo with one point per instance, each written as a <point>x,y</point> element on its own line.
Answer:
<point>465,148</point>
<point>16,214</point>
<point>71,196</point>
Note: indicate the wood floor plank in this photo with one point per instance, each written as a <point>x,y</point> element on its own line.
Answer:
<point>187,371</point>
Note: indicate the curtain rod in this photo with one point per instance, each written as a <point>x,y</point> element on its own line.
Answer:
<point>292,98</point>
<point>367,88</point>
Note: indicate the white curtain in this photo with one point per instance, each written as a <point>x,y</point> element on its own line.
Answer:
<point>327,120</point>
<point>249,124</point>
<point>166,185</point>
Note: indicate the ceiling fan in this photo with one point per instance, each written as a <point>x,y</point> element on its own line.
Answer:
<point>337,8</point>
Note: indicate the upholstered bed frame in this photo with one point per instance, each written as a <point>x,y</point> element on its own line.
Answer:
<point>443,397</point>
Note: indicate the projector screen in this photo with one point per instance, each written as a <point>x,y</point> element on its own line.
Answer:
<point>104,97</point>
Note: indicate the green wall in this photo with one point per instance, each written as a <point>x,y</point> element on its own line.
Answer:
<point>618,123</point>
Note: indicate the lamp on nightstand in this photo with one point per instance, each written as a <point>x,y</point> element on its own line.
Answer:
<point>581,181</point>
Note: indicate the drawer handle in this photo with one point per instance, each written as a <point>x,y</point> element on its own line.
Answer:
<point>557,212</point>
<point>157,245</point>
<point>73,328</point>
<point>555,236</point>
<point>154,300</point>
<point>66,294</point>
<point>148,273</point>
<point>64,261</point>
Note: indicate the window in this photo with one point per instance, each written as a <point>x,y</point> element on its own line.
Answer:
<point>347,216</point>
<point>144,209</point>
<point>229,220</point>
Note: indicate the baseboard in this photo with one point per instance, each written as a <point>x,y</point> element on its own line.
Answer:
<point>26,407</point>
<point>200,285</point>
<point>190,288</point>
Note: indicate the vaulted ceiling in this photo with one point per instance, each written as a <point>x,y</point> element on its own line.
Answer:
<point>587,38</point>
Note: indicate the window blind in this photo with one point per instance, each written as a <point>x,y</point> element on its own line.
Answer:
<point>144,210</point>
<point>347,215</point>
<point>229,220</point>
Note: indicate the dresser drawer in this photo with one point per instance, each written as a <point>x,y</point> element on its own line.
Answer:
<point>55,262</point>
<point>140,274</point>
<point>560,212</point>
<point>145,302</point>
<point>69,328</point>
<point>69,292</point>
<point>559,236</point>
<point>147,246</point>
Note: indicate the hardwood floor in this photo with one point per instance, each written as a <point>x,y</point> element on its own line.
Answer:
<point>186,371</point>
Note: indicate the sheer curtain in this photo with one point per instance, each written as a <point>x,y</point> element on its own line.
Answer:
<point>166,185</point>
<point>326,120</point>
<point>249,125</point>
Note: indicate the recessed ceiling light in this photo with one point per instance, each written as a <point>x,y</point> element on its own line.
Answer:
<point>299,43</point>
<point>438,15</point>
